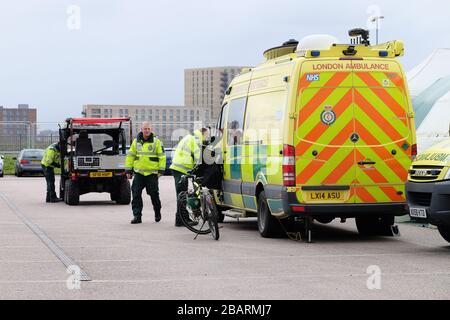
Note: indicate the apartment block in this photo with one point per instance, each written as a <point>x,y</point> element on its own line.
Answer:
<point>169,122</point>
<point>204,89</point>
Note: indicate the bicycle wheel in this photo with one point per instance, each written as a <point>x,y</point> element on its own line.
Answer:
<point>212,216</point>
<point>193,220</point>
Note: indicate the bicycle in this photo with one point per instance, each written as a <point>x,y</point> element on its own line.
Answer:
<point>198,208</point>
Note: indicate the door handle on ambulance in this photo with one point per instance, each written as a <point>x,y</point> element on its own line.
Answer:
<point>367,163</point>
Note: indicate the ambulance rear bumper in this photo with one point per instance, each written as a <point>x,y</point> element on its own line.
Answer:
<point>293,208</point>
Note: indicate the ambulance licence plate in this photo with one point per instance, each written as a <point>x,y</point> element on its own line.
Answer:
<point>418,213</point>
<point>101,174</point>
<point>325,196</point>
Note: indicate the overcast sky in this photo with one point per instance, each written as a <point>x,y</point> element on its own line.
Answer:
<point>135,51</point>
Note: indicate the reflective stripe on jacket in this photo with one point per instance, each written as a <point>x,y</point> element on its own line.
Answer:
<point>146,157</point>
<point>188,153</point>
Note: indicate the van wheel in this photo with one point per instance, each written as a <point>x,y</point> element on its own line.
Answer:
<point>124,193</point>
<point>324,220</point>
<point>268,225</point>
<point>220,215</point>
<point>445,233</point>
<point>375,226</point>
<point>72,193</point>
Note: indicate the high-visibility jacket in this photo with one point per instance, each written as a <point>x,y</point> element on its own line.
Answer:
<point>188,153</point>
<point>51,157</point>
<point>146,157</point>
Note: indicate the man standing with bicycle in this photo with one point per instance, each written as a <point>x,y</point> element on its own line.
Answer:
<point>187,155</point>
<point>147,161</point>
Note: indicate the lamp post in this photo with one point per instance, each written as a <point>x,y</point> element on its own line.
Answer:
<point>377,20</point>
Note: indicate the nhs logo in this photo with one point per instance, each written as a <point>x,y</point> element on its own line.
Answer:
<point>312,77</point>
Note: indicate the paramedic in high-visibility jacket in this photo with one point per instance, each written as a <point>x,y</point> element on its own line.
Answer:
<point>50,161</point>
<point>188,154</point>
<point>145,160</point>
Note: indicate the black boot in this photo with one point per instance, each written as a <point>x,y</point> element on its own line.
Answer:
<point>157,216</point>
<point>136,220</point>
<point>55,200</point>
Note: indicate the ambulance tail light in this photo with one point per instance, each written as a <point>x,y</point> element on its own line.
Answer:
<point>414,151</point>
<point>289,177</point>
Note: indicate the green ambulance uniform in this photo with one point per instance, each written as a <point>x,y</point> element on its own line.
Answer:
<point>146,158</point>
<point>187,156</point>
<point>50,161</point>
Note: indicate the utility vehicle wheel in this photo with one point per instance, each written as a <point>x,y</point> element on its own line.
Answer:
<point>124,193</point>
<point>72,193</point>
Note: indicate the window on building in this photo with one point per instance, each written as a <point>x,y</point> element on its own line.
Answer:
<point>192,115</point>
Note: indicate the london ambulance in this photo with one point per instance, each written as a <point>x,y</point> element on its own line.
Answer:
<point>428,188</point>
<point>319,131</point>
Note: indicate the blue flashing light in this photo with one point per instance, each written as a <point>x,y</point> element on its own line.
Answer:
<point>315,53</point>
<point>384,54</point>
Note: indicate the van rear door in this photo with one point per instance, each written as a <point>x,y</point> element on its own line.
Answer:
<point>325,153</point>
<point>384,139</point>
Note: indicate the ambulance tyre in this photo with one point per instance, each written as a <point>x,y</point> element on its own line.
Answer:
<point>325,220</point>
<point>268,225</point>
<point>220,215</point>
<point>72,193</point>
<point>445,233</point>
<point>375,226</point>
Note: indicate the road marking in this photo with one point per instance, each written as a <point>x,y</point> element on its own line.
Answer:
<point>54,248</point>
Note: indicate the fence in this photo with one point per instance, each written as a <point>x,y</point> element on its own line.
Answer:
<point>16,136</point>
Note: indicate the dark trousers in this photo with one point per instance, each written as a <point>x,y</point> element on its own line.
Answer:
<point>49,174</point>
<point>179,187</point>
<point>150,183</point>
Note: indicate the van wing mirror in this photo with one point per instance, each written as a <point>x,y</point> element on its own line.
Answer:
<point>213,139</point>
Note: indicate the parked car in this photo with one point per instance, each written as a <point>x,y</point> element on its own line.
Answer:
<point>1,166</point>
<point>169,155</point>
<point>29,161</point>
